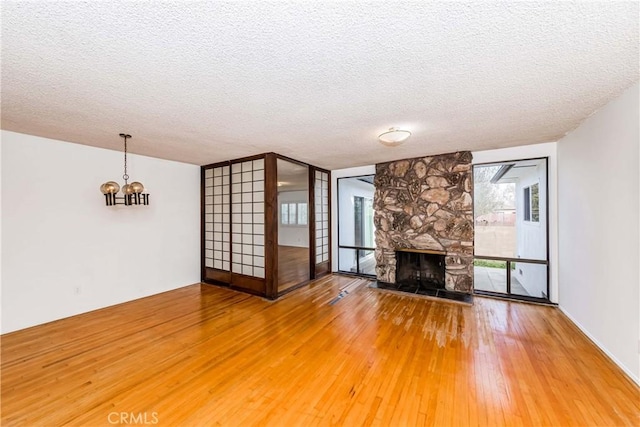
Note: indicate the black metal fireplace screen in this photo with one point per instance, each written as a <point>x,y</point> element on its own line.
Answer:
<point>420,270</point>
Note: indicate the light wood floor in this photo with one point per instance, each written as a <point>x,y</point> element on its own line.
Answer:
<point>206,355</point>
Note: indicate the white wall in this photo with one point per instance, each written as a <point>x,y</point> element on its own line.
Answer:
<point>66,253</point>
<point>530,152</point>
<point>599,243</point>
<point>1,328</point>
<point>335,174</point>
<point>292,235</point>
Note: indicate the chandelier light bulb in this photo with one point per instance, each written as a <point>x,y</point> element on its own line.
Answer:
<point>110,187</point>
<point>136,187</point>
<point>126,189</point>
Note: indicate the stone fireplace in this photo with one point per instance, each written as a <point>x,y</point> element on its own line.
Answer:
<point>425,205</point>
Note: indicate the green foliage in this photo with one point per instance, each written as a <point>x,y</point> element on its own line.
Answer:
<point>489,263</point>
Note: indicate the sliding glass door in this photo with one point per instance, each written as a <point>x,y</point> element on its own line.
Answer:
<point>511,229</point>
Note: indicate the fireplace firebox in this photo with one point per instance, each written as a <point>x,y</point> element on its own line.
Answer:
<point>418,269</point>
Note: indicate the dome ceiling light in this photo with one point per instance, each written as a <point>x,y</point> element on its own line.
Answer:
<point>132,194</point>
<point>394,137</point>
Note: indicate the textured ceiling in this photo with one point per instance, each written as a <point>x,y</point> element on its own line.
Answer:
<point>201,82</point>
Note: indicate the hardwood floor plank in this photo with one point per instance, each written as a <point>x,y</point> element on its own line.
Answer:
<point>206,355</point>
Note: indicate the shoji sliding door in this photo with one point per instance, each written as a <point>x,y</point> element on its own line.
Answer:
<point>322,222</point>
<point>247,218</point>
<point>217,228</point>
<point>234,224</point>
<point>241,214</point>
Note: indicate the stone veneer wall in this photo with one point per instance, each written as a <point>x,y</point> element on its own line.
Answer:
<point>425,203</point>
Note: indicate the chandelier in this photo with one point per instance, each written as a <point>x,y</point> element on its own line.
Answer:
<point>132,194</point>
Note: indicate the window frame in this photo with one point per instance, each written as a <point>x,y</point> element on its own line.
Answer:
<point>530,213</point>
<point>360,251</point>
<point>546,299</point>
<point>293,206</point>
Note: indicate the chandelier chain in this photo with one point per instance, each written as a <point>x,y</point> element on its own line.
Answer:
<point>126,175</point>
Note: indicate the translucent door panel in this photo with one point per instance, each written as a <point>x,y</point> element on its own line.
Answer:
<point>247,218</point>
<point>322,216</point>
<point>217,218</point>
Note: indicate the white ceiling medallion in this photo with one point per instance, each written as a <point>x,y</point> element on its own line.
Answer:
<point>394,137</point>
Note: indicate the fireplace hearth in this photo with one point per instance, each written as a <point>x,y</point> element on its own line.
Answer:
<point>422,272</point>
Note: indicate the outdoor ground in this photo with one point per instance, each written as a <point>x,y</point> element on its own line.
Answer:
<point>495,280</point>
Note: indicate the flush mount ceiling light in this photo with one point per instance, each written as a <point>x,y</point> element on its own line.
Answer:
<point>132,194</point>
<point>394,136</point>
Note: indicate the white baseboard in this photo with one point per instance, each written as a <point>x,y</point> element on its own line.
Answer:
<point>630,374</point>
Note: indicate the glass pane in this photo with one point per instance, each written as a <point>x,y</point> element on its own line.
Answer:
<point>490,275</point>
<point>495,214</point>
<point>347,260</point>
<point>302,213</point>
<point>367,262</point>
<point>368,224</point>
<point>529,279</point>
<point>293,230</point>
<point>535,204</point>
<point>355,211</point>
<point>355,216</point>
<point>358,221</point>
<point>510,209</point>
<point>292,213</point>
